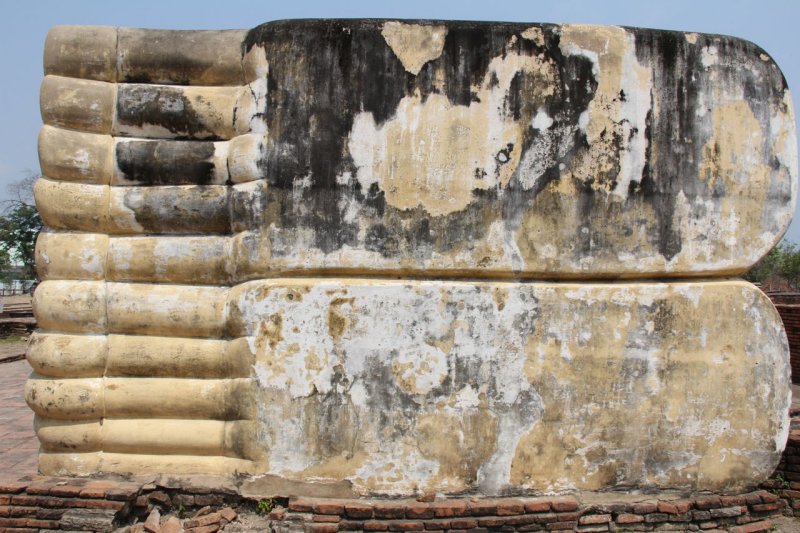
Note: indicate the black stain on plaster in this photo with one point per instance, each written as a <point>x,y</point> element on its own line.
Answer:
<point>166,162</point>
<point>324,72</point>
<point>161,106</point>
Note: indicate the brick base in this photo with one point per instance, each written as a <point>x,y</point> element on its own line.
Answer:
<point>58,504</point>
<point>49,504</point>
<point>743,513</point>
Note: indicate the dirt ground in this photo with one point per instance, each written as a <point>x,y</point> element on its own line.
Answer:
<point>785,524</point>
<point>12,346</point>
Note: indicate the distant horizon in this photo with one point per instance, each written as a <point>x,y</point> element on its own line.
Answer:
<point>771,24</point>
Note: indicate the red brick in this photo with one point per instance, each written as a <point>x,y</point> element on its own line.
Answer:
<point>13,522</point>
<point>427,497</point>
<point>91,492</point>
<point>301,505</point>
<point>96,489</point>
<point>450,508</point>
<point>66,491</point>
<point>683,506</point>
<point>667,507</point>
<point>645,507</point>
<point>122,491</point>
<point>391,510</point>
<point>754,527</point>
<point>437,524</point>
<point>463,523</point>
<point>508,507</point>
<point>24,499</point>
<point>376,525</point>
<point>483,507</point>
<point>701,515</point>
<point>42,524</point>
<point>323,528</point>
<point>628,518</point>
<point>537,506</point>
<point>357,510</point>
<point>201,521</point>
<point>329,518</point>
<point>54,501</point>
<point>753,498</point>
<point>326,507</point>
<point>406,525</point>
<point>228,514</point>
<point>21,511</point>
<point>794,494</point>
<point>350,525</point>
<point>707,502</point>
<point>99,504</point>
<point>160,497</point>
<point>728,512</point>
<point>731,501</point>
<point>545,518</point>
<point>565,503</point>
<point>765,507</point>
<point>491,521</point>
<point>561,526</point>
<point>277,514</point>
<point>39,487</point>
<point>595,519</point>
<point>768,497</point>
<point>12,487</point>
<point>419,510</point>
<point>5,499</point>
<point>567,517</point>
<point>49,514</point>
<point>525,519</point>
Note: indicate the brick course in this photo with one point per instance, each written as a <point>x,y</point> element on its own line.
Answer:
<point>53,504</point>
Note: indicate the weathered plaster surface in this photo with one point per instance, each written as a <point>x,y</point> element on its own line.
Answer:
<point>424,148</point>
<point>571,151</point>
<point>195,183</point>
<point>458,386</point>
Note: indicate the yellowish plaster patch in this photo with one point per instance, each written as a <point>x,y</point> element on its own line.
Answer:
<point>414,44</point>
<point>733,161</point>
<point>616,120</point>
<point>434,153</point>
<point>534,34</point>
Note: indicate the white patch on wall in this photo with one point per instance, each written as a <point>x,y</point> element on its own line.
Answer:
<point>433,153</point>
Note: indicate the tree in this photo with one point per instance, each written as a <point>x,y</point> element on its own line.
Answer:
<point>767,267</point>
<point>20,225</point>
<point>782,261</point>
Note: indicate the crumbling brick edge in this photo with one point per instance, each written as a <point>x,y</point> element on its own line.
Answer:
<point>53,504</point>
<point>85,504</point>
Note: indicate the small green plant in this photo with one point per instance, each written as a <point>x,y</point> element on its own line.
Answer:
<point>180,511</point>
<point>265,506</point>
<point>783,482</point>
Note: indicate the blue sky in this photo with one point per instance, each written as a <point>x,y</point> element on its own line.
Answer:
<point>770,23</point>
